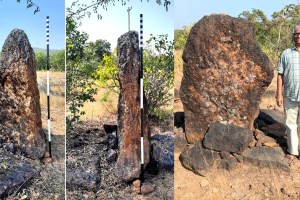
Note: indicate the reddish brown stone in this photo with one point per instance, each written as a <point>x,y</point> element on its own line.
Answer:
<point>225,74</point>
<point>128,166</point>
<point>136,186</point>
<point>147,188</point>
<point>20,113</point>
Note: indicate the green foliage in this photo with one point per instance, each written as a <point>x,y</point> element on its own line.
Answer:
<point>57,60</point>
<point>100,47</point>
<point>158,74</point>
<point>274,35</point>
<point>107,76</point>
<point>31,4</point>
<point>181,35</point>
<point>79,9</point>
<point>80,67</point>
<point>40,60</point>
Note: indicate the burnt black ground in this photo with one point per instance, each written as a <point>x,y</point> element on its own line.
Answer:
<point>88,139</point>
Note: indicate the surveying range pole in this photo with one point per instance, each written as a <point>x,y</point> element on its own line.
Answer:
<point>141,97</point>
<point>48,85</point>
<point>128,10</point>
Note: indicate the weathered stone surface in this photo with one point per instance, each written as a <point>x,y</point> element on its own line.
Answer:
<point>268,141</point>
<point>229,163</point>
<point>111,156</point>
<point>198,159</point>
<point>266,157</point>
<point>163,149</point>
<point>231,138</point>
<point>20,113</point>
<point>276,130</point>
<point>112,140</point>
<point>14,173</point>
<point>179,139</point>
<point>258,134</point>
<point>239,157</point>
<point>271,116</point>
<point>128,165</point>
<point>225,74</point>
<point>147,188</point>
<point>85,174</point>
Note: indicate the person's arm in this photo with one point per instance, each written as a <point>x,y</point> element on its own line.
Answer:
<point>279,89</point>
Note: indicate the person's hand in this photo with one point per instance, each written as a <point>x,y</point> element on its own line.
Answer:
<point>279,100</point>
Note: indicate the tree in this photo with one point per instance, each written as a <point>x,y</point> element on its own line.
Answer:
<point>79,9</point>
<point>158,74</point>
<point>80,65</point>
<point>273,35</point>
<point>57,61</point>
<point>40,60</point>
<point>181,36</point>
<point>100,47</point>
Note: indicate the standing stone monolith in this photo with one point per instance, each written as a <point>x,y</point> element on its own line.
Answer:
<point>224,75</point>
<point>128,166</point>
<point>20,113</point>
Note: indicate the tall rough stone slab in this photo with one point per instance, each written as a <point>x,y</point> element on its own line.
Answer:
<point>128,166</point>
<point>225,74</point>
<point>20,113</point>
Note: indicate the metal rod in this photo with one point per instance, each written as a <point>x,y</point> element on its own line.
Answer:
<point>48,85</point>
<point>128,10</point>
<point>141,97</point>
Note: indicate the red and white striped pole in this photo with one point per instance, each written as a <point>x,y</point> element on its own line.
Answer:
<point>141,96</point>
<point>48,85</point>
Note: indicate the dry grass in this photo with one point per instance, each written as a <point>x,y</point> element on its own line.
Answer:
<point>57,100</point>
<point>98,110</point>
<point>57,88</point>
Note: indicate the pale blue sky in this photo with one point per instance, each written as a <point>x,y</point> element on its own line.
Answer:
<point>16,15</point>
<point>190,11</point>
<point>114,21</point>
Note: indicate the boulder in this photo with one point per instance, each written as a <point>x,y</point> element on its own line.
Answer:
<point>231,138</point>
<point>198,159</point>
<point>128,165</point>
<point>266,157</point>
<point>83,173</point>
<point>163,150</point>
<point>224,75</point>
<point>14,173</point>
<point>276,130</point>
<point>229,163</point>
<point>20,112</point>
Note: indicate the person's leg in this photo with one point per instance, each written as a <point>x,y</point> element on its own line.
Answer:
<point>291,114</point>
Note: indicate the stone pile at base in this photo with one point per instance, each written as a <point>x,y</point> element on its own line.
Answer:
<point>226,145</point>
